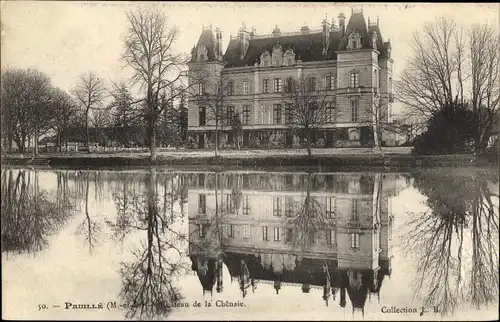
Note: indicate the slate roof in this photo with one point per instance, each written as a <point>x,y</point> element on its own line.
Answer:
<point>307,47</point>
<point>207,39</point>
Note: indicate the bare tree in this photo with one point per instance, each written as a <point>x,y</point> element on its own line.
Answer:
<point>212,97</point>
<point>149,52</point>
<point>485,92</point>
<point>90,94</point>
<point>26,98</point>
<point>460,208</point>
<point>307,109</point>
<point>65,111</point>
<point>440,71</point>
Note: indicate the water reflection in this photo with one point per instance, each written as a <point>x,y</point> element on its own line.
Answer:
<point>29,216</point>
<point>148,287</point>
<point>327,231</point>
<point>326,234</point>
<point>456,240</point>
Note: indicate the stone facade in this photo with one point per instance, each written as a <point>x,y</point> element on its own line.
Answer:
<point>349,63</point>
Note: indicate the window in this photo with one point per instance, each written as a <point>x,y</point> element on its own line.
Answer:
<point>330,85</point>
<point>288,114</point>
<point>265,235</point>
<point>201,231</point>
<point>201,180</point>
<point>246,88</point>
<point>246,231</point>
<point>246,205</point>
<point>354,44</point>
<point>289,61</point>
<point>202,204</point>
<point>354,80</point>
<point>230,232</point>
<point>289,235</point>
<point>277,85</point>
<point>355,241</point>
<point>229,204</point>
<point>277,210</point>
<point>330,110</point>
<point>202,115</point>
<point>277,235</point>
<point>266,62</point>
<point>277,114</point>
<point>229,114</point>
<point>289,85</point>
<point>330,207</point>
<point>330,236</point>
<point>230,88</point>
<point>289,207</point>
<point>313,237</point>
<point>265,85</point>
<point>312,112</point>
<point>201,88</point>
<point>354,210</point>
<point>311,84</point>
<point>276,61</point>
<point>354,110</point>
<point>246,115</point>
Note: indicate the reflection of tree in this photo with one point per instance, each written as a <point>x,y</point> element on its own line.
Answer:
<point>148,289</point>
<point>309,218</point>
<point>89,227</point>
<point>462,221</point>
<point>28,215</point>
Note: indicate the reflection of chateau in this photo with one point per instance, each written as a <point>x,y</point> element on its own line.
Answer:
<point>327,231</point>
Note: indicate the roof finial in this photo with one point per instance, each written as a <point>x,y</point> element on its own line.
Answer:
<point>368,21</point>
<point>210,25</point>
<point>377,20</point>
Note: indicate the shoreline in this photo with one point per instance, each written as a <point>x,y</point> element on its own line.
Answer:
<point>324,162</point>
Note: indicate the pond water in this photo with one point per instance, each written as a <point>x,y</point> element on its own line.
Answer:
<point>157,244</point>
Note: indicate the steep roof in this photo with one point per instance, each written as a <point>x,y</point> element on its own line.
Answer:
<point>207,39</point>
<point>356,22</point>
<point>307,47</point>
<point>380,42</point>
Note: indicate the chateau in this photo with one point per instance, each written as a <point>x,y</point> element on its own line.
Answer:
<point>349,62</point>
<point>325,234</point>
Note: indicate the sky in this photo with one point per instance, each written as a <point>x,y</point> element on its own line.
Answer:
<point>67,38</point>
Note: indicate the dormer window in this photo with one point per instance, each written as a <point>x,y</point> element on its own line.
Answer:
<point>354,40</point>
<point>289,57</point>
<point>202,54</point>
<point>265,59</point>
<point>277,55</point>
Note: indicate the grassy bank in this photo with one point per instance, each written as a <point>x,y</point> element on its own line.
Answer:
<point>400,161</point>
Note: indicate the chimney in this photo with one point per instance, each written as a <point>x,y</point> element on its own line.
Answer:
<point>342,23</point>
<point>304,30</point>
<point>326,35</point>
<point>244,40</point>
<point>333,27</point>
<point>218,44</point>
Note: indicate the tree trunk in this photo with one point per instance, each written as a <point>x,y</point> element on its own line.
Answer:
<point>87,128</point>
<point>309,153</point>
<point>216,136</point>
<point>152,139</point>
